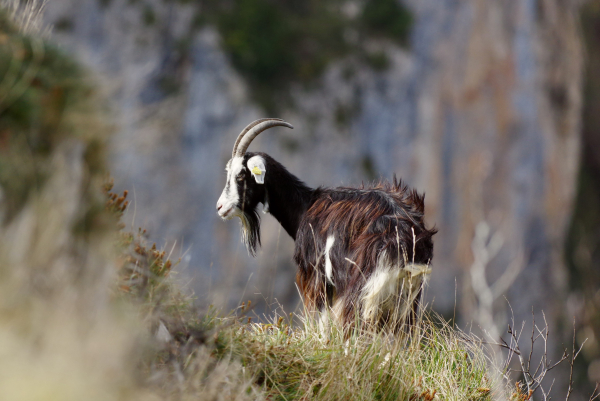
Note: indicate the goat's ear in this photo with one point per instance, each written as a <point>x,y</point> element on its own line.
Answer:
<point>256,165</point>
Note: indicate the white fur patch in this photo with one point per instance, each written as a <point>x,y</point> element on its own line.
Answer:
<point>379,288</point>
<point>328,266</point>
<point>257,166</point>
<point>381,291</point>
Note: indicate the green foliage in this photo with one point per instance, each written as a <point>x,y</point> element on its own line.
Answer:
<point>387,18</point>
<point>43,95</point>
<point>368,167</point>
<point>64,24</point>
<point>378,61</point>
<point>273,43</point>
<point>344,112</point>
<point>148,15</point>
<point>276,43</point>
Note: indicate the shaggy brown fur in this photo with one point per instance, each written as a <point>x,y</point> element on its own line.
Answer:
<point>365,222</point>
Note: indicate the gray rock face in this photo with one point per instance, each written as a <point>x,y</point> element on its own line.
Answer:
<point>482,114</point>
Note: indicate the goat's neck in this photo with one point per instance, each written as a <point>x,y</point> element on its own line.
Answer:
<point>288,198</point>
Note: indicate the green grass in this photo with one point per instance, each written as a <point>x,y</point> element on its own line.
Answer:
<point>293,363</point>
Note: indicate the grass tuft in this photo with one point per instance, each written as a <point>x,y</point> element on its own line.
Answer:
<point>303,362</point>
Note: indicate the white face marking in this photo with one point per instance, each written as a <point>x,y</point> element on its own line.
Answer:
<point>328,266</point>
<point>258,168</point>
<point>229,197</point>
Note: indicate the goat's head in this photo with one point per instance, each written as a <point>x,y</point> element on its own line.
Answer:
<point>244,189</point>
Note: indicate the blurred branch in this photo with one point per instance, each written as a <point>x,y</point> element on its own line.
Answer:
<point>573,356</point>
<point>595,394</point>
<point>533,377</point>
<point>485,247</point>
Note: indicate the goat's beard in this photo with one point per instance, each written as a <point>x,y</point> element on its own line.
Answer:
<point>251,230</point>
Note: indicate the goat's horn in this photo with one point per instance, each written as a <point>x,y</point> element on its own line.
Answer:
<point>253,130</point>
<point>252,124</point>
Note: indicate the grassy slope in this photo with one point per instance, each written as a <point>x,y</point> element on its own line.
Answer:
<point>90,312</point>
<point>305,363</point>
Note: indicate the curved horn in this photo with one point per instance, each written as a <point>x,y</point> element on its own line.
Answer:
<point>257,129</point>
<point>252,124</point>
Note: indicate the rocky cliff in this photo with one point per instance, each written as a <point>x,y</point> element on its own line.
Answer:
<point>479,108</point>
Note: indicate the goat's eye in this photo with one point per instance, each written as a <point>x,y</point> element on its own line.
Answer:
<point>240,177</point>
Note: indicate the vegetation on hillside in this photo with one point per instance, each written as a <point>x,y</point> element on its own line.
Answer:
<point>277,43</point>
<point>274,43</point>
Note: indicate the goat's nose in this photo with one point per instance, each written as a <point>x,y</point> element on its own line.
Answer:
<point>219,206</point>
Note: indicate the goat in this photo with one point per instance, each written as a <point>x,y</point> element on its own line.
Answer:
<point>361,252</point>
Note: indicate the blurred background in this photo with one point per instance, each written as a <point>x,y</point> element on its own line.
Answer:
<point>490,108</point>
